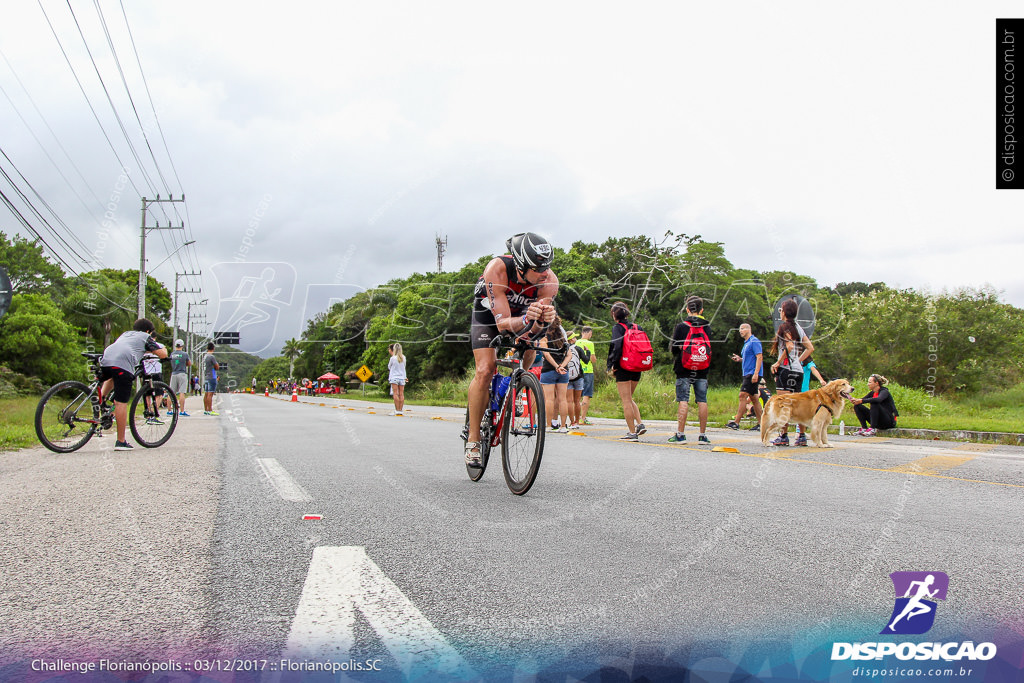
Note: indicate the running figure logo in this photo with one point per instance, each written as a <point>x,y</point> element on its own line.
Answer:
<point>252,297</point>
<point>916,592</point>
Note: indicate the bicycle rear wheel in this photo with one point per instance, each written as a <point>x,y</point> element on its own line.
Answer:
<point>64,417</point>
<point>148,427</point>
<point>522,433</point>
<point>486,429</point>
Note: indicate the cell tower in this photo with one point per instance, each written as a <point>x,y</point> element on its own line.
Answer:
<point>442,245</point>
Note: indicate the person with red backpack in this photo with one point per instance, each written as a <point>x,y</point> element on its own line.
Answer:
<point>691,350</point>
<point>629,355</point>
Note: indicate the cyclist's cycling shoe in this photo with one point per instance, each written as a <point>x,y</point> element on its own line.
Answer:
<point>473,454</point>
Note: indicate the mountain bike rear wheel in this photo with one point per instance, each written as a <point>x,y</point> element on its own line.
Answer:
<point>149,427</point>
<point>522,432</point>
<point>64,417</point>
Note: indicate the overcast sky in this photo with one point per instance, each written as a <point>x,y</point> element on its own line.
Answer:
<point>842,142</point>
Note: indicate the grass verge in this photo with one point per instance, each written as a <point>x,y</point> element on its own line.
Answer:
<point>16,415</point>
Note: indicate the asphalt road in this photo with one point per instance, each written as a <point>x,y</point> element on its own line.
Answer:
<point>200,549</point>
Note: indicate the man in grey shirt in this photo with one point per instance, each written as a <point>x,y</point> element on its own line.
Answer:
<point>210,368</point>
<point>118,366</point>
<point>180,363</point>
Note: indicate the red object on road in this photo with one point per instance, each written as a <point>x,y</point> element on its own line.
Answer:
<point>312,517</point>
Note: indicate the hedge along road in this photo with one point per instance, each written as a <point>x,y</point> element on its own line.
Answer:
<point>202,547</point>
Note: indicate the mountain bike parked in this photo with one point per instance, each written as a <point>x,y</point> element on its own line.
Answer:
<point>514,419</point>
<point>71,412</point>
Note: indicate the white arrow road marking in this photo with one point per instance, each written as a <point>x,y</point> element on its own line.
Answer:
<point>344,579</point>
<point>244,433</point>
<point>282,482</point>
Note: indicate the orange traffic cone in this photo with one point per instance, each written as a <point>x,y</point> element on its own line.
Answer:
<point>295,396</point>
<point>266,391</point>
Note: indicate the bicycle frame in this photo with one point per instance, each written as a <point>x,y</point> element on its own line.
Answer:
<point>516,365</point>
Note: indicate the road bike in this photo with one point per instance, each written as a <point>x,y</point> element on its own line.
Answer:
<point>72,412</point>
<point>513,419</point>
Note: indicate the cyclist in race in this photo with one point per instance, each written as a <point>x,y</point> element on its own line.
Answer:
<point>514,296</point>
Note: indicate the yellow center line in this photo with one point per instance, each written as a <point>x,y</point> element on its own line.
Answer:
<point>933,464</point>
<point>788,458</point>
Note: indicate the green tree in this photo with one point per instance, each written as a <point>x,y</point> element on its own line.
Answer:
<point>28,266</point>
<point>36,340</point>
<point>96,305</point>
<point>158,297</point>
<point>292,349</point>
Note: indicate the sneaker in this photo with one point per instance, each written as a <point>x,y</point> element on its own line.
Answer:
<point>630,436</point>
<point>755,428</point>
<point>678,437</point>
<point>211,412</point>
<point>554,425</point>
<point>781,441</point>
<point>122,446</point>
<point>703,438</point>
<point>868,432</point>
<point>398,413</point>
<point>574,426</point>
<point>732,425</point>
<point>169,413</point>
<point>564,430</point>
<point>473,454</point>
<point>587,421</point>
<point>183,414</point>
<point>801,440</point>
<point>154,421</point>
<point>641,429</point>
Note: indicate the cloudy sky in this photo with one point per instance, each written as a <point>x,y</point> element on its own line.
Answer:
<point>842,144</point>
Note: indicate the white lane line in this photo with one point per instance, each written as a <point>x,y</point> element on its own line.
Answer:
<point>244,433</point>
<point>343,579</point>
<point>282,482</point>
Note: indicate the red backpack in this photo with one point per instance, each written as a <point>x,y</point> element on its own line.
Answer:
<point>637,352</point>
<point>695,353</point>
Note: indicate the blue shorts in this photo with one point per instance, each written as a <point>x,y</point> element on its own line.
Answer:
<point>700,389</point>
<point>210,386</point>
<point>576,384</point>
<point>552,377</point>
<point>399,382</point>
<point>588,384</point>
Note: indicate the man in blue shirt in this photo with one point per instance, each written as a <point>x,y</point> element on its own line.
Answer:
<point>751,358</point>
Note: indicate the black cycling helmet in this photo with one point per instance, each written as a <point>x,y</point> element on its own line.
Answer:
<point>530,251</point>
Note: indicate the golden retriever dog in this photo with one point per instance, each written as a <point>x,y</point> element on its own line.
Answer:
<point>814,410</point>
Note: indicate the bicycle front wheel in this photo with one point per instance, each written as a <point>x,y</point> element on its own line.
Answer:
<point>149,427</point>
<point>522,433</point>
<point>65,418</point>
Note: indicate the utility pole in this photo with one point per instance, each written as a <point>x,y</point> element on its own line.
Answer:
<point>142,250</point>
<point>174,332</point>
<point>442,246</point>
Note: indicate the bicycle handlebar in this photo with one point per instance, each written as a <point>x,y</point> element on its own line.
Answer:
<point>516,343</point>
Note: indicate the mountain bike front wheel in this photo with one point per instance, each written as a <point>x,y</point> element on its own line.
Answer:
<point>149,427</point>
<point>65,417</point>
<point>522,432</point>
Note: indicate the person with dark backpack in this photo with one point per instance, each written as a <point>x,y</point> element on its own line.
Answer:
<point>621,352</point>
<point>691,351</point>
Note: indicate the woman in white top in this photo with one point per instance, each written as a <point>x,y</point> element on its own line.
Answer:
<point>396,377</point>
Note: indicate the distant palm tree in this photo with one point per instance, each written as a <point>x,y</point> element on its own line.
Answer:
<point>291,351</point>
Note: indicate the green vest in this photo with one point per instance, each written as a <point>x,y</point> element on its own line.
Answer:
<point>589,346</point>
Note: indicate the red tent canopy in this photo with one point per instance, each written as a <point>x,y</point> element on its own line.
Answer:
<point>329,375</point>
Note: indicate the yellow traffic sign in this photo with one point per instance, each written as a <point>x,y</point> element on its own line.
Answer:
<point>364,373</point>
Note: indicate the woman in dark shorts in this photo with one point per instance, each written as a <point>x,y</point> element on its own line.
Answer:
<point>625,380</point>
